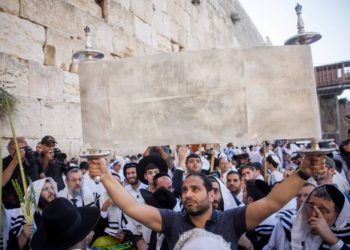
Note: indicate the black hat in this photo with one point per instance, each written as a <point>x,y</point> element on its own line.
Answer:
<point>161,198</point>
<point>337,196</point>
<point>129,165</point>
<point>262,186</point>
<point>48,140</point>
<point>64,225</point>
<point>152,159</point>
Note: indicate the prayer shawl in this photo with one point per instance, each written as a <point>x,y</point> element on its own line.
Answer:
<point>37,187</point>
<point>12,225</point>
<point>302,238</point>
<point>260,235</point>
<point>116,218</point>
<point>228,200</point>
<point>281,234</point>
<point>14,218</point>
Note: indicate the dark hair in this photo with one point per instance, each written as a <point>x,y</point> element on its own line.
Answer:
<point>270,160</point>
<point>157,176</point>
<point>212,179</point>
<point>127,166</point>
<point>234,172</point>
<point>133,158</point>
<point>250,167</point>
<point>84,165</point>
<point>330,192</point>
<point>151,166</point>
<point>192,155</point>
<point>257,189</point>
<point>205,179</point>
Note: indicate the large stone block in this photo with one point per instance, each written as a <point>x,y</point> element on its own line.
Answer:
<point>21,38</point>
<point>102,34</point>
<point>14,75</point>
<point>124,3</point>
<point>71,146</point>
<point>137,7</point>
<point>116,15</point>
<point>10,6</point>
<point>162,5</point>
<point>143,31</point>
<point>61,119</point>
<point>123,45</point>
<point>57,14</point>
<point>164,44</point>
<point>71,88</point>
<point>27,119</point>
<point>64,46</point>
<point>46,82</point>
<point>87,5</point>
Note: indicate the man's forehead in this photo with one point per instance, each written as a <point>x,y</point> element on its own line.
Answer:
<point>246,170</point>
<point>194,159</point>
<point>193,180</point>
<point>76,174</point>
<point>130,170</point>
<point>320,200</point>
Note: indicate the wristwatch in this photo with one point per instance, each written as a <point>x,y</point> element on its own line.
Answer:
<point>302,175</point>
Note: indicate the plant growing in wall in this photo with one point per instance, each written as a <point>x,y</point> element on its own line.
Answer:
<point>11,100</point>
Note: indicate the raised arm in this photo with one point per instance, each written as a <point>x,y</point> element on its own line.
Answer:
<point>278,197</point>
<point>147,215</point>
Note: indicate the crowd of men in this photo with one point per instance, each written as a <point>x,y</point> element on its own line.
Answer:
<point>167,198</point>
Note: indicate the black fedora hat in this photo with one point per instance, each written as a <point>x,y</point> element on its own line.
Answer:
<point>145,161</point>
<point>161,198</point>
<point>64,225</point>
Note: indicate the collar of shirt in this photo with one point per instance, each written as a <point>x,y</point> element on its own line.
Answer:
<point>214,217</point>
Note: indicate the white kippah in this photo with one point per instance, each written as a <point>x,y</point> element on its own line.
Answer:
<point>275,159</point>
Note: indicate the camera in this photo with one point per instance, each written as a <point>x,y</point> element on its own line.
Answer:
<point>28,152</point>
<point>59,155</point>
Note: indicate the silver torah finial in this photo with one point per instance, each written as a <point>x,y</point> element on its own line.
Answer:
<point>89,54</point>
<point>302,37</point>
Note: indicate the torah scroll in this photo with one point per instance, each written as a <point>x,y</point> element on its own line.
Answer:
<point>215,96</point>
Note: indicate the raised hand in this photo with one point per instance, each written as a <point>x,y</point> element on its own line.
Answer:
<point>313,165</point>
<point>97,167</point>
<point>319,226</point>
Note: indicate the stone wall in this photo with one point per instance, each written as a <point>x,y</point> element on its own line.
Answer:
<point>38,38</point>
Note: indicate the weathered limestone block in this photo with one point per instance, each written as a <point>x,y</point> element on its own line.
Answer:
<point>46,82</point>
<point>161,5</point>
<point>60,15</point>
<point>124,3</point>
<point>137,7</point>
<point>10,6</point>
<point>71,88</point>
<point>64,47</point>
<point>70,146</point>
<point>102,34</point>
<point>164,44</point>
<point>27,119</point>
<point>87,5</point>
<point>14,75</point>
<point>57,14</point>
<point>143,31</point>
<point>61,119</point>
<point>150,9</point>
<point>116,14</point>
<point>21,38</point>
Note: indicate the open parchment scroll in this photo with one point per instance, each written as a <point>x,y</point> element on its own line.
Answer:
<point>216,96</point>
